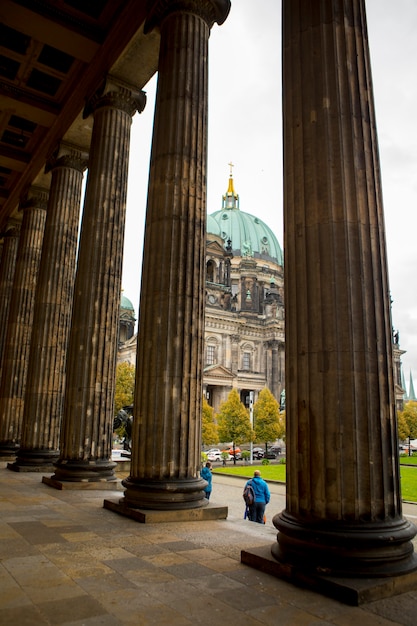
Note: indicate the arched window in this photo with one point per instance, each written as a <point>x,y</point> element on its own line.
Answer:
<point>210,267</point>
<point>247,354</point>
<point>211,352</point>
<point>246,361</point>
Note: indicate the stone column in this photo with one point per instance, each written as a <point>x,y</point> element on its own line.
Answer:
<point>19,325</point>
<point>52,315</point>
<point>343,511</point>
<point>7,270</point>
<point>274,384</point>
<point>87,425</point>
<point>166,426</point>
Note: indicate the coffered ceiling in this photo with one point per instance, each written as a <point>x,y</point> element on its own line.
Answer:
<point>53,56</point>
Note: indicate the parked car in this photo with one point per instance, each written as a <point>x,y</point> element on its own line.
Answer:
<point>215,454</point>
<point>270,454</point>
<point>237,454</point>
<point>273,452</point>
<point>258,453</point>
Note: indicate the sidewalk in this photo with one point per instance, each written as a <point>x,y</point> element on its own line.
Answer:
<point>67,561</point>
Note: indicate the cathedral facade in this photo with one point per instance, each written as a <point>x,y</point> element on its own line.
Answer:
<point>244,307</point>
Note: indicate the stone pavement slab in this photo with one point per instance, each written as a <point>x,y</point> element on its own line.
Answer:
<point>67,561</point>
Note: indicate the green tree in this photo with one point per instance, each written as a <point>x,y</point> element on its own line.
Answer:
<point>209,433</point>
<point>233,422</point>
<point>407,423</point>
<point>125,386</point>
<point>269,423</point>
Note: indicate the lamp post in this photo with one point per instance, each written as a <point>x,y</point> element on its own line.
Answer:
<point>251,394</point>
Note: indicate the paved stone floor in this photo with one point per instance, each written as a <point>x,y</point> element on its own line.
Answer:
<point>65,560</point>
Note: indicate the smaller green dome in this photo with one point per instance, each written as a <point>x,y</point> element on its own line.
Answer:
<point>126,304</point>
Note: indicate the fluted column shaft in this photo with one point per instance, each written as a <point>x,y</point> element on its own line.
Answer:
<point>168,391</point>
<point>7,270</point>
<point>274,387</point>
<point>45,383</point>
<point>343,509</point>
<point>19,325</point>
<point>86,434</point>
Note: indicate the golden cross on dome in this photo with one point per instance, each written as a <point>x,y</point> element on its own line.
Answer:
<point>231,165</point>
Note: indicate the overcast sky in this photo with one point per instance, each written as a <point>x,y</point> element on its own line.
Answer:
<point>245,128</point>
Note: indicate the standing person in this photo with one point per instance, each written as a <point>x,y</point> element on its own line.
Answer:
<point>207,475</point>
<point>256,511</point>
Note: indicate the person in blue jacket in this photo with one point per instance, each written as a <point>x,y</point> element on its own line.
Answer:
<point>206,474</point>
<point>256,511</point>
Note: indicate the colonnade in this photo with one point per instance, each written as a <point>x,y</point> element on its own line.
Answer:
<point>343,512</point>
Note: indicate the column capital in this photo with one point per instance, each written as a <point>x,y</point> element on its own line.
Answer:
<point>67,155</point>
<point>116,94</point>
<point>35,197</point>
<point>273,344</point>
<point>12,228</point>
<point>210,11</point>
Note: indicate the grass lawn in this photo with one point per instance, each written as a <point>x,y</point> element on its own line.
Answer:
<point>409,483</point>
<point>269,472</point>
<point>277,472</point>
<point>408,460</point>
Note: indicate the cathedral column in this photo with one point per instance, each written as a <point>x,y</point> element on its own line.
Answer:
<point>19,325</point>
<point>343,511</point>
<point>52,314</point>
<point>274,382</point>
<point>87,423</point>
<point>166,426</point>
<point>7,271</point>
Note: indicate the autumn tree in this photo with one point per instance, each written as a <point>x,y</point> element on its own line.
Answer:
<point>407,423</point>
<point>233,422</point>
<point>209,433</point>
<point>269,424</point>
<point>402,427</point>
<point>125,385</point>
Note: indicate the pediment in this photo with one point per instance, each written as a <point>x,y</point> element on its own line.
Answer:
<point>214,247</point>
<point>218,371</point>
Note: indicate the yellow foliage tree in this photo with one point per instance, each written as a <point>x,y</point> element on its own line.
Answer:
<point>407,421</point>
<point>269,423</point>
<point>125,386</point>
<point>209,433</point>
<point>233,422</point>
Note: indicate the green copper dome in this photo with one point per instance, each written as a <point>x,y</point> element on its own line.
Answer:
<point>249,235</point>
<point>126,304</point>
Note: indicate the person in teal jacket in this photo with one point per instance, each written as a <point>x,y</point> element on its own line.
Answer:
<point>206,474</point>
<point>256,511</point>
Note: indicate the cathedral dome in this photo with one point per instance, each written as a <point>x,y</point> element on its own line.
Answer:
<point>126,304</point>
<point>249,236</point>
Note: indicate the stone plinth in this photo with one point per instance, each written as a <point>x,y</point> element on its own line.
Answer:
<point>145,516</point>
<point>353,591</point>
<point>98,485</point>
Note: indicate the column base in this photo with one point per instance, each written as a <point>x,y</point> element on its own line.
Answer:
<point>146,516</point>
<point>16,467</point>
<point>164,495</point>
<point>4,458</point>
<point>352,591</point>
<point>34,460</point>
<point>8,451</point>
<point>338,548</point>
<point>97,472</point>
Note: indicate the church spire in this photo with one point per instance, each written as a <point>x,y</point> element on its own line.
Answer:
<point>230,198</point>
<point>411,392</point>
